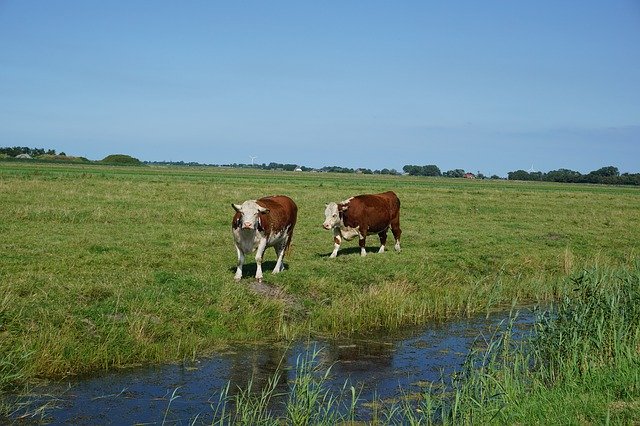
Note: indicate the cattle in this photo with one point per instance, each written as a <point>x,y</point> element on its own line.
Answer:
<point>364,215</point>
<point>258,224</point>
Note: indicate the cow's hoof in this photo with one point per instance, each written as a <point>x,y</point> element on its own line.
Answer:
<point>259,280</point>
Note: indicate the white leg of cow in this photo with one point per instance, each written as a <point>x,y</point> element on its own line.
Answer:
<point>279,264</point>
<point>397,246</point>
<point>238,275</point>
<point>259,253</point>
<point>363,251</point>
<point>381,249</point>
<point>337,240</point>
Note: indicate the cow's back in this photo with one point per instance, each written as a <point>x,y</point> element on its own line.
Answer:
<point>373,211</point>
<point>283,211</point>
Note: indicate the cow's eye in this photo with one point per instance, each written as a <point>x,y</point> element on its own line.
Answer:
<point>334,215</point>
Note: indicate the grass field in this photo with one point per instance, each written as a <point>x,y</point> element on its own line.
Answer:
<point>110,266</point>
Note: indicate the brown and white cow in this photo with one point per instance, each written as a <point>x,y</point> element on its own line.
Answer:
<point>364,215</point>
<point>258,224</point>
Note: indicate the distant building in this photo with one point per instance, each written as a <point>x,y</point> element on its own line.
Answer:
<point>298,169</point>
<point>24,156</point>
<point>469,175</point>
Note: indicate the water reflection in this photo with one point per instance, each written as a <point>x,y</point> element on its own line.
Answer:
<point>381,366</point>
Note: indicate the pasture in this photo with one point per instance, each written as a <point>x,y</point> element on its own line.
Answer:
<point>102,267</point>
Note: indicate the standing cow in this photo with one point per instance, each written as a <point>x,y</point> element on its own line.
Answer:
<point>258,224</point>
<point>364,215</point>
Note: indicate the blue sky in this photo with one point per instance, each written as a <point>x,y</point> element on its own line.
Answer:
<point>490,86</point>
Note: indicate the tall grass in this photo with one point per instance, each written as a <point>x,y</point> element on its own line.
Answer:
<point>579,365</point>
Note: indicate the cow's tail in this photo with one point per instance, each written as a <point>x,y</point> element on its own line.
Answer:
<point>287,249</point>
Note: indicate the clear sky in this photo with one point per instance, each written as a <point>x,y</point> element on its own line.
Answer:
<point>490,86</point>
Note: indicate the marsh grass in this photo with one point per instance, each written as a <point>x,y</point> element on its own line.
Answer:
<point>580,364</point>
<point>307,401</point>
<point>102,267</point>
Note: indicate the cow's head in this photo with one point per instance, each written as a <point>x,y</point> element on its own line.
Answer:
<point>333,214</point>
<point>248,215</point>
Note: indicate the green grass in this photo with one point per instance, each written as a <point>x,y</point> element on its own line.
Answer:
<point>112,266</point>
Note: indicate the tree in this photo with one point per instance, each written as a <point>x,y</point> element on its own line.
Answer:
<point>563,175</point>
<point>431,170</point>
<point>518,175</point>
<point>609,171</point>
<point>456,173</point>
<point>412,170</point>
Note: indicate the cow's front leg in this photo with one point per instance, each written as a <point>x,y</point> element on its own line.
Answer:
<point>363,242</point>
<point>337,240</point>
<point>238,275</point>
<point>259,253</point>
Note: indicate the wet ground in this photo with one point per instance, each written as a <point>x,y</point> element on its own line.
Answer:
<point>378,366</point>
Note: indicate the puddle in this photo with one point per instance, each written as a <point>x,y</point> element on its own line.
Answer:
<point>381,367</point>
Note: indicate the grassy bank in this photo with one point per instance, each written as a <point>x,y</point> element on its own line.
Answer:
<point>111,266</point>
<point>581,365</point>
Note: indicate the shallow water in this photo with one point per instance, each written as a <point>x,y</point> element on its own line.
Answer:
<point>379,366</point>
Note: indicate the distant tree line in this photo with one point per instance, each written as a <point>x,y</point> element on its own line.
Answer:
<point>332,169</point>
<point>606,175</point>
<point>34,152</point>
<point>433,170</point>
<point>49,155</point>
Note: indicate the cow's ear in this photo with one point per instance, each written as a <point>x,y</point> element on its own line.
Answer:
<point>263,209</point>
<point>236,207</point>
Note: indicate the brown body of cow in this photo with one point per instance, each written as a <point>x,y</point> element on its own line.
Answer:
<point>258,224</point>
<point>364,215</point>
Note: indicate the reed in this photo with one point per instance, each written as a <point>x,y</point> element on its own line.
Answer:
<point>581,364</point>
<point>307,401</point>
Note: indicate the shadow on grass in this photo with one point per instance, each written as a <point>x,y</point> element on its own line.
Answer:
<point>352,250</point>
<point>249,269</point>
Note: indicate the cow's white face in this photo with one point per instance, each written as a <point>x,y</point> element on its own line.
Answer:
<point>331,216</point>
<point>250,214</point>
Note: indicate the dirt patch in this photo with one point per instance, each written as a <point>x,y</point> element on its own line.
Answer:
<point>276,293</point>
<point>273,292</point>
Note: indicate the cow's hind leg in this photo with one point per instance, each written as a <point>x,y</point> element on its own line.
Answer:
<point>383,240</point>
<point>280,249</point>
<point>395,229</point>
<point>238,275</point>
